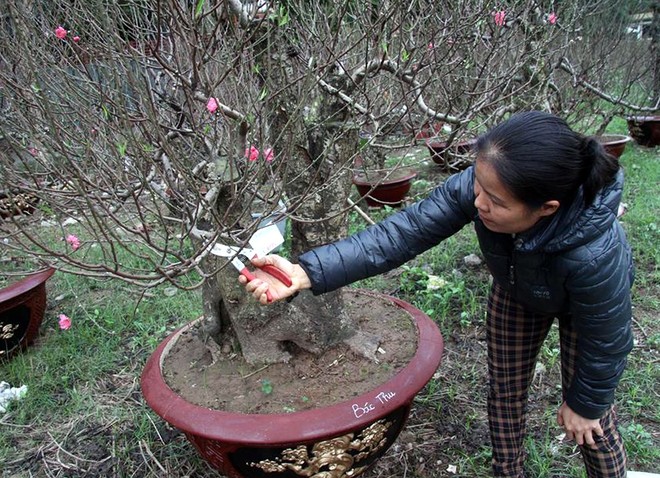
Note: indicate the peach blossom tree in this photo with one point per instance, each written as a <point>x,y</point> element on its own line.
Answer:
<point>140,133</point>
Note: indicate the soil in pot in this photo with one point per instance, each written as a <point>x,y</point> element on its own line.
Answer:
<point>304,383</point>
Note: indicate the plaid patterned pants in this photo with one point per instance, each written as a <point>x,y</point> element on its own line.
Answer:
<point>514,338</point>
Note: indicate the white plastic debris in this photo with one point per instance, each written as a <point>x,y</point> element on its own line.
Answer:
<point>9,393</point>
<point>623,208</point>
<point>435,282</point>
<point>539,372</point>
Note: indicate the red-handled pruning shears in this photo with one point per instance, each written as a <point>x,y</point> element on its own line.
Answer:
<point>234,252</point>
<point>263,241</point>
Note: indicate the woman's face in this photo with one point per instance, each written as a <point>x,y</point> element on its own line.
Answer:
<point>499,210</point>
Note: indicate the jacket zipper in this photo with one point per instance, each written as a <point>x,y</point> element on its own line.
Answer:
<point>517,242</point>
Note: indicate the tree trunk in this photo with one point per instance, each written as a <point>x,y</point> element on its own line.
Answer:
<point>319,161</point>
<point>655,49</point>
<point>270,334</point>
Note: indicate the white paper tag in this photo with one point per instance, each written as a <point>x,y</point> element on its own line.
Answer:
<point>266,239</point>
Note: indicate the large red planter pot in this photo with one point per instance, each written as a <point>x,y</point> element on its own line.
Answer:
<point>22,307</point>
<point>645,130</point>
<point>442,153</point>
<point>614,144</point>
<point>389,191</point>
<point>428,130</point>
<point>342,440</point>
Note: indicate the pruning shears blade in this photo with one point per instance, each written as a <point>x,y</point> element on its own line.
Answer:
<point>232,252</point>
<point>262,242</point>
<point>229,251</point>
<point>223,251</point>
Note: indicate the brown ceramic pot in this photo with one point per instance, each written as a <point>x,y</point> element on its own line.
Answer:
<point>22,306</point>
<point>645,130</point>
<point>443,154</point>
<point>429,130</point>
<point>337,441</point>
<point>614,144</point>
<point>382,188</point>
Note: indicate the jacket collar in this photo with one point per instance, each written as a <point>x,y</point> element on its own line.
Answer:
<point>575,224</point>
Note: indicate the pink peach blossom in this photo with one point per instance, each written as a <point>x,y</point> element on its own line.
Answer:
<point>60,33</point>
<point>552,18</point>
<point>73,241</point>
<point>212,105</point>
<point>500,18</point>
<point>252,153</point>
<point>269,154</point>
<point>76,39</point>
<point>64,321</point>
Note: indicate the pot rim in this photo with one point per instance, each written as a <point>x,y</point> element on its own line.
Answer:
<point>612,139</point>
<point>441,143</point>
<point>375,182</point>
<point>302,426</point>
<point>31,281</point>
<point>647,118</point>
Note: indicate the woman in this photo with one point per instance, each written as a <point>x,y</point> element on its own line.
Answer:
<point>543,200</point>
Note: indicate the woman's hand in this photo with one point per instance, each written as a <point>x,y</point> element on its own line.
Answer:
<point>582,430</point>
<point>265,282</point>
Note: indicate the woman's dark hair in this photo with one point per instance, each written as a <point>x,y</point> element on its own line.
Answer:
<point>539,158</point>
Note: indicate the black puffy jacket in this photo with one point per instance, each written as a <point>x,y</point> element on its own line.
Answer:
<point>575,262</point>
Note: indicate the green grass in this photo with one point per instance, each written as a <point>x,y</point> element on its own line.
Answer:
<point>86,378</point>
<point>83,383</point>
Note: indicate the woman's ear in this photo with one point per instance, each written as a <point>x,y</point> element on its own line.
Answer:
<point>549,207</point>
